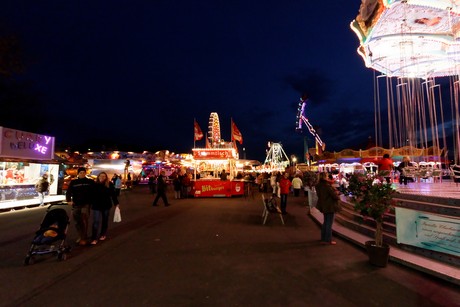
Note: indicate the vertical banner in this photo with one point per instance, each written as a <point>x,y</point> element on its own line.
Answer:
<point>236,134</point>
<point>197,131</point>
<point>428,231</point>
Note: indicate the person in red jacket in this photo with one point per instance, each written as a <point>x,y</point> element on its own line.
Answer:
<point>385,167</point>
<point>285,187</point>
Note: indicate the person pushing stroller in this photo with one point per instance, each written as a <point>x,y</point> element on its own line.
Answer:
<point>79,196</point>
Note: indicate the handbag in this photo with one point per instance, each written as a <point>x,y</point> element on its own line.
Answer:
<point>117,215</point>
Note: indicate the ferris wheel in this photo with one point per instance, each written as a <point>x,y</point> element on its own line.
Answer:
<point>301,119</point>
<point>214,129</point>
<point>276,157</point>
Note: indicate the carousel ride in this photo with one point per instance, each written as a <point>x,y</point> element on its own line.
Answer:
<point>415,45</point>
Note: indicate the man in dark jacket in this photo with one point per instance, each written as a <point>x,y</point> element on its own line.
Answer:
<point>328,204</point>
<point>161,190</point>
<point>79,196</point>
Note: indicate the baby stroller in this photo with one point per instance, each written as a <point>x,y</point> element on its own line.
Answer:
<point>50,238</point>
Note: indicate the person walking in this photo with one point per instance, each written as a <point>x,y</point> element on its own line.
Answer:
<point>285,187</point>
<point>273,183</point>
<point>152,183</point>
<point>328,205</point>
<point>161,190</point>
<point>79,195</point>
<point>297,185</point>
<point>278,179</point>
<point>185,184</point>
<point>129,181</point>
<point>42,187</point>
<point>117,184</point>
<point>104,197</point>
<point>177,183</point>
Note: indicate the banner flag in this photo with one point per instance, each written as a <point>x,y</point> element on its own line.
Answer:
<point>198,132</point>
<point>236,134</point>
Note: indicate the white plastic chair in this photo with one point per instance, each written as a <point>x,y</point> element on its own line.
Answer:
<point>266,211</point>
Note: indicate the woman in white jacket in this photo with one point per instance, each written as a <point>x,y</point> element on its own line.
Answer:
<point>297,185</point>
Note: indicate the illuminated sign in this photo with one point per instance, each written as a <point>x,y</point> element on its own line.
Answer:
<point>213,154</point>
<point>21,144</point>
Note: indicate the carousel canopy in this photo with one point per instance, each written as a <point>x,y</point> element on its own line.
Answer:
<point>410,38</point>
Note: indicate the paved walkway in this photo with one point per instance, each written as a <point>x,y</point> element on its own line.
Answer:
<point>206,252</point>
<point>446,192</point>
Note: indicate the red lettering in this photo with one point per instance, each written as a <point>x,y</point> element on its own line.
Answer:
<point>22,136</point>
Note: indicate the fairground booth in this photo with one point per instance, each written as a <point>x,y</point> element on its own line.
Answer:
<point>211,163</point>
<point>215,165</point>
<point>24,158</point>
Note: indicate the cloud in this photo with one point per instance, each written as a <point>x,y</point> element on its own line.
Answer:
<point>311,83</point>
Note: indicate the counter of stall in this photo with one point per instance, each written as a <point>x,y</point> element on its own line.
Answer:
<point>18,179</point>
<point>217,188</point>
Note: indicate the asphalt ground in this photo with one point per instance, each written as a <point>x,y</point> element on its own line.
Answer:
<point>206,252</point>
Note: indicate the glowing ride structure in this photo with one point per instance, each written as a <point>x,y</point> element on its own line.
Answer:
<point>213,139</point>
<point>410,38</point>
<point>216,157</point>
<point>276,159</point>
<point>415,44</point>
<point>301,118</point>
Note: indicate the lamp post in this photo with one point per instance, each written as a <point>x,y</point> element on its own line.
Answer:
<point>294,162</point>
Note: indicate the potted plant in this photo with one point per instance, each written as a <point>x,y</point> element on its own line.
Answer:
<point>372,197</point>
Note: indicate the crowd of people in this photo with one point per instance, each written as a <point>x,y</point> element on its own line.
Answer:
<point>96,197</point>
<point>328,188</point>
<point>181,182</point>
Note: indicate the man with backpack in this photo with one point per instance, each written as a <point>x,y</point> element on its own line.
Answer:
<point>42,187</point>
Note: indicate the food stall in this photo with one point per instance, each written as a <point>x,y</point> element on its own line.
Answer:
<point>209,165</point>
<point>24,158</point>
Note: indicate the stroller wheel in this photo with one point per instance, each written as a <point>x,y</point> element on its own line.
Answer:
<point>28,260</point>
<point>61,256</point>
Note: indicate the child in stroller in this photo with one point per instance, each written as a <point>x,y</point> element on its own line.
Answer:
<point>51,236</point>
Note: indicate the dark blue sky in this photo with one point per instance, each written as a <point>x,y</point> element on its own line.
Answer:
<point>139,72</point>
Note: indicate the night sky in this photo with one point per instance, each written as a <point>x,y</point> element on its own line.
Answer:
<point>133,75</point>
